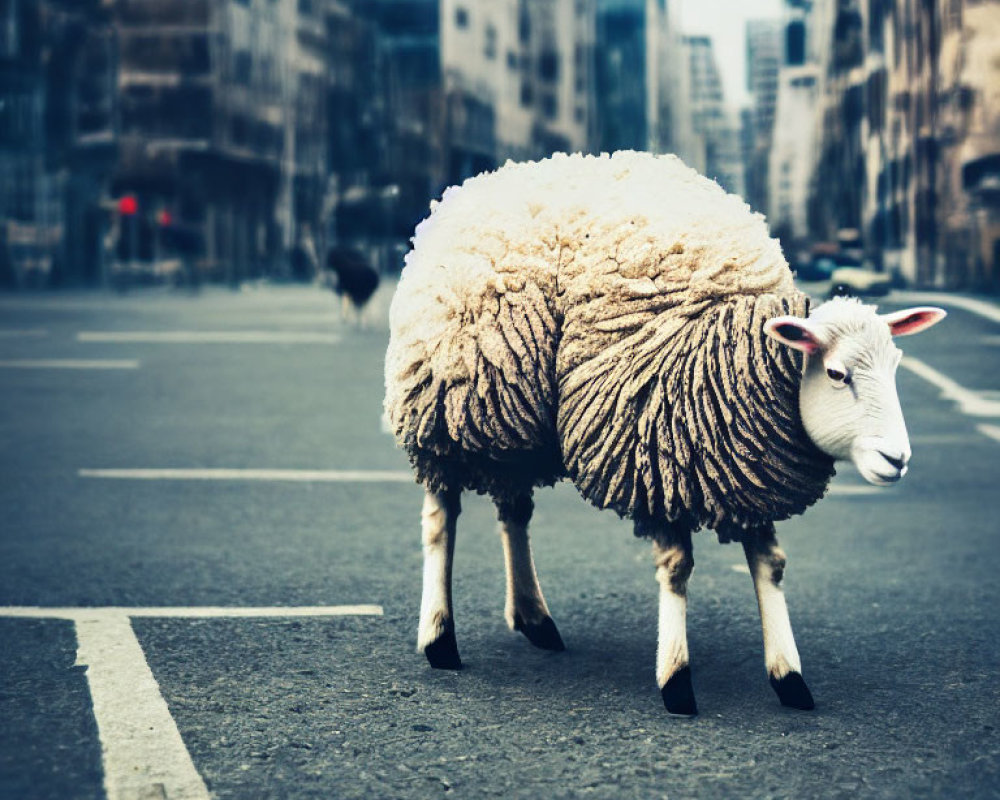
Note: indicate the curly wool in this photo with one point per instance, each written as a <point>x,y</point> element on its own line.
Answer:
<point>602,318</point>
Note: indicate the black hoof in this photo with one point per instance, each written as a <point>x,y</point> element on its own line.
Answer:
<point>442,653</point>
<point>541,634</point>
<point>678,695</point>
<point>793,692</point>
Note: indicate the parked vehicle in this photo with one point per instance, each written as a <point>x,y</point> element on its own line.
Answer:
<point>818,268</point>
<point>858,281</point>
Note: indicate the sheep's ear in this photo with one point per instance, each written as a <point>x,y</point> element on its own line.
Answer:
<point>794,332</point>
<point>913,320</point>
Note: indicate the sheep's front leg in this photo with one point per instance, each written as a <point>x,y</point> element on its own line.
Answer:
<point>525,609</point>
<point>767,566</point>
<point>674,560</point>
<point>436,635</point>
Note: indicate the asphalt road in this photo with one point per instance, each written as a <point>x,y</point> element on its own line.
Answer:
<point>894,595</point>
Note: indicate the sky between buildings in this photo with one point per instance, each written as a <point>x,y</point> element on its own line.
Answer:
<point>725,21</point>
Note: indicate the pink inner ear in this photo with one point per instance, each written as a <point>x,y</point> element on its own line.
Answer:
<point>913,323</point>
<point>794,335</point>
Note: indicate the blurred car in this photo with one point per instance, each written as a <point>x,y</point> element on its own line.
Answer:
<point>858,281</point>
<point>818,268</point>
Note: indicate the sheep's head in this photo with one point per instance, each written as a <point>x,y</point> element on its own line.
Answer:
<point>848,400</point>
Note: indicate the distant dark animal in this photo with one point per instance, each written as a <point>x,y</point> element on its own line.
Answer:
<point>356,279</point>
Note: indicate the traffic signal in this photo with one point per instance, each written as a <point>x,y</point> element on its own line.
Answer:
<point>128,205</point>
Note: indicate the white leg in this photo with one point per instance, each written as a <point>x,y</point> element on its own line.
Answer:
<point>673,558</point>
<point>525,609</point>
<point>767,566</point>
<point>436,634</point>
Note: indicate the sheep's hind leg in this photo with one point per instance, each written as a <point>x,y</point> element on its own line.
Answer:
<point>525,609</point>
<point>674,560</point>
<point>767,566</point>
<point>436,635</point>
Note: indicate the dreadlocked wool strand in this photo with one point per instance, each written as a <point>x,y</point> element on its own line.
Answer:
<point>602,318</point>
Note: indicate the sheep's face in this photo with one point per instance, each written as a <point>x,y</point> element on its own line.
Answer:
<point>848,399</point>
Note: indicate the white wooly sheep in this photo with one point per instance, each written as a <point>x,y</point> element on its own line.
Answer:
<point>624,322</point>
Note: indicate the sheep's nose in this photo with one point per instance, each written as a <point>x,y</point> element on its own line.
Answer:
<point>898,462</point>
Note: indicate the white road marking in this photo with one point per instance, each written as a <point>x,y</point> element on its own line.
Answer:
<point>142,752</point>
<point>141,748</point>
<point>292,475</point>
<point>993,431</point>
<point>741,568</point>
<point>921,439</point>
<point>189,612</point>
<point>210,337</point>
<point>22,333</point>
<point>969,402</point>
<point>852,490</point>
<point>989,311</point>
<point>69,363</point>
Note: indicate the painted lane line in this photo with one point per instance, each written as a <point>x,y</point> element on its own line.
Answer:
<point>984,309</point>
<point>210,337</point>
<point>142,752</point>
<point>969,402</point>
<point>921,439</point>
<point>189,612</point>
<point>854,490</point>
<point>280,475</point>
<point>324,476</point>
<point>69,363</point>
<point>22,333</point>
<point>993,431</point>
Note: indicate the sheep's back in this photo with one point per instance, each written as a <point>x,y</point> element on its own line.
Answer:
<point>602,316</point>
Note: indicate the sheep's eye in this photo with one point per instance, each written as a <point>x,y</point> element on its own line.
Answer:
<point>838,376</point>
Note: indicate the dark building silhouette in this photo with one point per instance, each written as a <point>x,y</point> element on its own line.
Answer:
<point>57,66</point>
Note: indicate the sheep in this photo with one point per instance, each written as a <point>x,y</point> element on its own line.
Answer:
<point>356,280</point>
<point>622,322</point>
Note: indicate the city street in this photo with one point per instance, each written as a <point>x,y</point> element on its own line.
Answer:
<point>198,454</point>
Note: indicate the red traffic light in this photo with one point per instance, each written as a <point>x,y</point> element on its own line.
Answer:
<point>164,218</point>
<point>128,205</point>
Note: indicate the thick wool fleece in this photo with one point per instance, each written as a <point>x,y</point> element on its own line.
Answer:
<point>602,318</point>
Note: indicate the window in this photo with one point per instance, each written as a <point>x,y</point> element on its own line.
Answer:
<point>550,107</point>
<point>461,17</point>
<point>548,66</point>
<point>490,47</point>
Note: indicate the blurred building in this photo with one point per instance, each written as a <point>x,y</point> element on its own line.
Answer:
<point>641,80</point>
<point>910,148</point>
<point>717,138</point>
<point>56,139</point>
<point>395,92</point>
<point>304,53</point>
<point>764,53</point>
<point>518,79</point>
<point>794,136</point>
<point>202,139</point>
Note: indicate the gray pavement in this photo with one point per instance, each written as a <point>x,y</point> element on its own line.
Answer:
<point>894,595</point>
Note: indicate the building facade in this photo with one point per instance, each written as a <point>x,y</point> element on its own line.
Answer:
<point>57,137</point>
<point>764,57</point>
<point>909,142</point>
<point>718,153</point>
<point>641,79</point>
<point>518,80</point>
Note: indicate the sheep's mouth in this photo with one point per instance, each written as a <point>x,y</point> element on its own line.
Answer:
<point>877,469</point>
